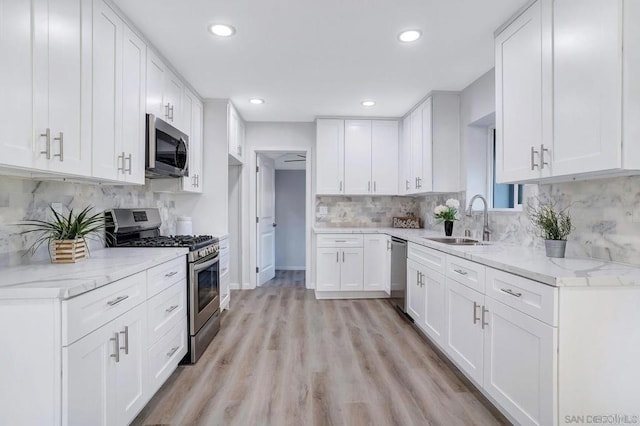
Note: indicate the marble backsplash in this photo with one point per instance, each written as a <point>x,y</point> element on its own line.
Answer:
<point>605,213</point>
<point>23,199</point>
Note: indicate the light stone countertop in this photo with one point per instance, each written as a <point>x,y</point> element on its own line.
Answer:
<point>44,280</point>
<point>524,261</point>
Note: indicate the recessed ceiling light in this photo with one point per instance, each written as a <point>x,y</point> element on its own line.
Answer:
<point>256,101</point>
<point>409,35</point>
<point>222,30</point>
<point>368,103</point>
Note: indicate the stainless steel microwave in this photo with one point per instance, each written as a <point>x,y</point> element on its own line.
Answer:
<point>167,150</point>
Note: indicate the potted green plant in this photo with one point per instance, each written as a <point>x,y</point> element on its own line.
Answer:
<point>553,224</point>
<point>66,235</point>
<point>447,213</point>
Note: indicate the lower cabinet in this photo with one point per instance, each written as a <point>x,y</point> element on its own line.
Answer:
<point>340,269</point>
<point>415,292</point>
<point>377,263</point>
<point>434,305</point>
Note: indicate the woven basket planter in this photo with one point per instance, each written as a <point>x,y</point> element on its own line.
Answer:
<point>68,251</point>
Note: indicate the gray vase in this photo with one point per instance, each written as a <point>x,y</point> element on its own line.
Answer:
<point>555,248</point>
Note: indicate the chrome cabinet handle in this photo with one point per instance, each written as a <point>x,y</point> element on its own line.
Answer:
<point>121,157</point>
<point>126,340</point>
<point>460,271</point>
<point>166,111</point>
<point>416,183</point>
<point>374,186</point>
<point>533,153</point>
<point>340,241</point>
<point>171,308</point>
<point>419,184</point>
<point>47,136</point>
<point>60,139</point>
<point>406,186</point>
<point>485,311</point>
<point>475,309</point>
<point>542,151</point>
<point>418,278</point>
<point>117,300</point>
<point>197,181</point>
<point>340,186</point>
<point>239,149</point>
<point>170,274</point>
<point>337,257</point>
<point>342,257</point>
<point>172,351</point>
<point>369,186</point>
<point>116,341</point>
<point>128,169</point>
<point>510,292</point>
<point>171,110</point>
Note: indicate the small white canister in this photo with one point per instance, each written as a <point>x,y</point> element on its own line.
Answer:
<point>184,226</point>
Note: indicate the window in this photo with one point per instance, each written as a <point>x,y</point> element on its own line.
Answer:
<point>500,195</point>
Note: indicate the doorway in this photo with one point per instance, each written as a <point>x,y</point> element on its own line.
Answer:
<point>281,218</point>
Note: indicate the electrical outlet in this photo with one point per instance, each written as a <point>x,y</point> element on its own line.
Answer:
<point>323,211</point>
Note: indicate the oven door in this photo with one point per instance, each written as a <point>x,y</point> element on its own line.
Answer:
<point>167,149</point>
<point>204,299</point>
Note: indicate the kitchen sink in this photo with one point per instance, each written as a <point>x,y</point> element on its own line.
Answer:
<point>456,241</point>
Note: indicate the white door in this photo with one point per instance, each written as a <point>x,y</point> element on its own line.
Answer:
<point>416,149</point>
<point>434,317</point>
<point>155,87</point>
<point>587,86</point>
<point>132,368</point>
<point>357,157</point>
<point>134,76</point>
<point>88,381</point>
<point>351,269</point>
<point>519,358</point>
<point>266,219</point>
<point>328,264</point>
<point>330,157</point>
<point>415,292</point>
<point>377,263</point>
<point>519,97</point>
<point>426,181</point>
<point>384,157</point>
<point>404,168</point>
<point>464,338</point>
<point>16,78</point>
<point>107,155</point>
<point>173,98</point>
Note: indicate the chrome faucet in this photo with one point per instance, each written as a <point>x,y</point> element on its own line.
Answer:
<point>486,231</point>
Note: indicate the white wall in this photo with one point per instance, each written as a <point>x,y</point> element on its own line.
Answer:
<point>290,217</point>
<point>283,137</point>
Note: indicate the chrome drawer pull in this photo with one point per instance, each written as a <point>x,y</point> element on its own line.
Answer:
<point>340,241</point>
<point>126,340</point>
<point>485,311</point>
<point>117,300</point>
<point>170,274</point>
<point>60,139</point>
<point>116,341</point>
<point>475,308</point>
<point>47,150</point>
<point>460,271</point>
<point>510,292</point>
<point>171,308</point>
<point>172,351</point>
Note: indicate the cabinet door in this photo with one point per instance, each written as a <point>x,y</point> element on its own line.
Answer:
<point>173,98</point>
<point>16,85</point>
<point>464,333</point>
<point>357,157</point>
<point>156,72</point>
<point>193,107</point>
<point>330,157</point>
<point>425,184</point>
<point>519,97</point>
<point>107,155</point>
<point>415,293</point>
<point>384,157</point>
<point>352,269</point>
<point>434,311</point>
<point>377,263</point>
<point>189,182</point>
<point>241,134</point>
<point>519,359</point>
<point>404,168</point>
<point>328,262</point>
<point>416,149</point>
<point>134,62</point>
<point>131,370</point>
<point>233,132</point>
<point>587,86</point>
<point>88,381</point>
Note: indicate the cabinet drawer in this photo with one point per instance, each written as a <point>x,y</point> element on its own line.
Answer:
<point>432,259</point>
<point>224,265</point>
<point>340,240</point>
<point>530,297</point>
<point>224,246</point>
<point>466,272</point>
<point>166,309</point>
<point>89,311</point>
<point>163,276</point>
<point>165,355</point>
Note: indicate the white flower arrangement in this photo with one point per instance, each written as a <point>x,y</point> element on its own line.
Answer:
<point>447,212</point>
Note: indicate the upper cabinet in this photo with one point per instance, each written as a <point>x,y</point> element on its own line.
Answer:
<point>357,157</point>
<point>192,114</point>
<point>566,100</point>
<point>235,136</point>
<point>164,92</point>
<point>430,149</point>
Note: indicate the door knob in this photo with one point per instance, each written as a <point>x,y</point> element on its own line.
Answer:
<point>275,224</point>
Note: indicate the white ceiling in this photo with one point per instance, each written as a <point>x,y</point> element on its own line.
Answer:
<point>311,58</point>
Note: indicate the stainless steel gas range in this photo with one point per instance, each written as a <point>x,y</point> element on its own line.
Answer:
<point>141,228</point>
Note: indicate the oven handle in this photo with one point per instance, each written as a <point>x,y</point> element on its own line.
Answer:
<point>197,267</point>
<point>186,163</point>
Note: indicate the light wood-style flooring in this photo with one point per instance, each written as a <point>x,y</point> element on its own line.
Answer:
<point>284,358</point>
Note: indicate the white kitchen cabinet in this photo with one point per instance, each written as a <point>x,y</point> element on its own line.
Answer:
<point>357,157</point>
<point>225,273</point>
<point>384,157</point>
<point>192,114</point>
<point>329,156</point>
<point>405,178</point>
<point>118,124</point>
<point>520,355</point>
<point>328,269</point>
<point>235,135</point>
<point>377,263</point>
<point>465,323</point>
<point>351,269</point>
<point>164,91</point>
<point>173,90</point>
<point>415,292</point>
<point>417,149</point>
<point>434,305</point>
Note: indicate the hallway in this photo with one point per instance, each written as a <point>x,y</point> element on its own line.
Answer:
<point>287,279</point>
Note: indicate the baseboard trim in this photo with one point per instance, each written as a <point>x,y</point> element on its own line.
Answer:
<point>323,295</point>
<point>290,268</point>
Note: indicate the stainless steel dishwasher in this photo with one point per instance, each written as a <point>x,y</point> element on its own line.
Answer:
<point>399,274</point>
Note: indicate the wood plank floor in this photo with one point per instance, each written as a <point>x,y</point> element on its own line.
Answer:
<point>284,358</point>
